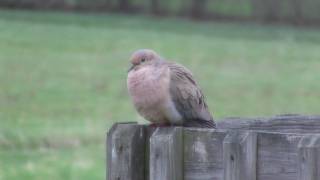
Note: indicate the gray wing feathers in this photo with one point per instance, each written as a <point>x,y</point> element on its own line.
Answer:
<point>188,98</point>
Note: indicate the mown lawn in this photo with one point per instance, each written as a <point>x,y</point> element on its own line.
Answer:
<point>63,80</point>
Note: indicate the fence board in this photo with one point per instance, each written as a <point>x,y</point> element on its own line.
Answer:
<point>166,157</point>
<point>244,150</point>
<point>239,155</point>
<point>125,152</point>
<point>149,132</point>
<point>203,154</point>
<point>309,158</point>
<point>281,123</point>
<point>277,156</point>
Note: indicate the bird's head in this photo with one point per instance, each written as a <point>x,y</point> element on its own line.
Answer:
<point>143,57</point>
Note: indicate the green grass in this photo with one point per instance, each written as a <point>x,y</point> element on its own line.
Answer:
<point>63,80</point>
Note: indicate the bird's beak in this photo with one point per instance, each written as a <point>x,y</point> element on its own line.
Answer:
<point>131,67</point>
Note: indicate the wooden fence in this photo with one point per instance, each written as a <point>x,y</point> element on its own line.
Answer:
<point>283,147</point>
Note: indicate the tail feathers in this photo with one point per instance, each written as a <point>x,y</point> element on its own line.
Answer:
<point>200,123</point>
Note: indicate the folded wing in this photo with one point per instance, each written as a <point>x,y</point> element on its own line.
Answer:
<point>188,98</point>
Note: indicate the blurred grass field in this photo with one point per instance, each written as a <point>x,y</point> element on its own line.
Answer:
<point>63,80</point>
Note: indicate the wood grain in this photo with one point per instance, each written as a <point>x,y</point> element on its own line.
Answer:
<point>285,147</point>
<point>126,152</point>
<point>239,155</point>
<point>203,154</point>
<point>166,157</point>
<point>309,158</point>
<point>281,123</point>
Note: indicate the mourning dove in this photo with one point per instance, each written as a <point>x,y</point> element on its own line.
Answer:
<point>165,92</point>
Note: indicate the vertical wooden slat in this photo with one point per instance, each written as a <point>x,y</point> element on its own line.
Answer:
<point>309,158</point>
<point>277,156</point>
<point>149,132</point>
<point>166,154</point>
<point>240,155</point>
<point>203,154</point>
<point>126,152</point>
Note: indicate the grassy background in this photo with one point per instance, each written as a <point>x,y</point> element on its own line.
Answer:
<point>63,80</point>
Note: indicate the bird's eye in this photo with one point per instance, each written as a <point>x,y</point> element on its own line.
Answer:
<point>143,60</point>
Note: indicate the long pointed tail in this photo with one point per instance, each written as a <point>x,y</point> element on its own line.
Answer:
<point>200,123</point>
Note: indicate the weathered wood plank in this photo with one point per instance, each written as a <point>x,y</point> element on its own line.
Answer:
<point>277,156</point>
<point>239,155</point>
<point>280,123</point>
<point>203,154</point>
<point>166,154</point>
<point>149,132</point>
<point>126,152</point>
<point>309,158</point>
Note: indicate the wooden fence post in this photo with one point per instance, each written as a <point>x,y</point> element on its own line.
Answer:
<point>283,147</point>
<point>126,152</point>
<point>240,155</point>
<point>203,154</point>
<point>166,154</point>
<point>309,158</point>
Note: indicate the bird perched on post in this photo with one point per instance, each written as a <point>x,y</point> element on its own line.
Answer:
<point>165,93</point>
